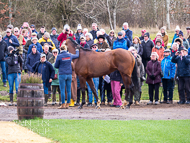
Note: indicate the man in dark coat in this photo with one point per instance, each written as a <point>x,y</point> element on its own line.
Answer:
<point>147,45</point>
<point>46,51</point>
<point>41,33</point>
<point>128,32</point>
<point>54,36</point>
<point>94,30</point>
<point>47,71</point>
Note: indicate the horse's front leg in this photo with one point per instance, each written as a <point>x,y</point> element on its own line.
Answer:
<point>91,84</point>
<point>82,85</point>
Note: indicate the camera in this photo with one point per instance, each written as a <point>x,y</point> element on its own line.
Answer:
<point>16,51</point>
<point>179,52</point>
<point>67,29</point>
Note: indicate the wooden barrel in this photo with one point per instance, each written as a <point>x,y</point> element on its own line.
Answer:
<point>30,101</point>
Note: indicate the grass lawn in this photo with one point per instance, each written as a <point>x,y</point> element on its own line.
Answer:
<point>100,131</point>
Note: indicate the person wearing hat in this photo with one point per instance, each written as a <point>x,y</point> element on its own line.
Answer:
<point>164,36</point>
<point>159,49</point>
<point>185,42</point>
<point>41,33</point>
<point>54,36</point>
<point>153,80</point>
<point>120,42</point>
<point>33,29</point>
<point>147,45</point>
<point>188,34</point>
<point>14,73</point>
<point>112,37</point>
<point>126,38</point>
<point>10,39</point>
<point>29,42</point>
<point>46,39</point>
<point>159,36</point>
<point>101,43</point>
<point>3,54</point>
<point>183,73</point>
<point>47,71</point>
<point>32,58</point>
<point>168,70</point>
<point>179,41</point>
<point>142,34</point>
<point>79,32</point>
<point>38,46</point>
<point>83,42</point>
<point>176,35</point>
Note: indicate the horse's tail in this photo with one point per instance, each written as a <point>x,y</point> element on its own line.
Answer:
<point>135,80</point>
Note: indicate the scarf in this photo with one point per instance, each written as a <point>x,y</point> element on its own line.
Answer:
<point>82,44</point>
<point>136,46</point>
<point>158,47</point>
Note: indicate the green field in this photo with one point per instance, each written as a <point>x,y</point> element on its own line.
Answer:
<point>111,131</point>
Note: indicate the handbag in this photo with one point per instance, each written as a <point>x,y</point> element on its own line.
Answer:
<point>55,77</point>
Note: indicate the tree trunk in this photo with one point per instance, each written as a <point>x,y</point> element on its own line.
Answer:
<point>110,21</point>
<point>10,12</point>
<point>168,14</point>
<point>114,18</point>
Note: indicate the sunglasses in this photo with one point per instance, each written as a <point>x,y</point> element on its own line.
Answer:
<point>54,52</point>
<point>111,33</point>
<point>145,36</point>
<point>16,31</point>
<point>93,47</point>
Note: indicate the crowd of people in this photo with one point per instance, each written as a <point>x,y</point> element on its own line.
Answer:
<point>26,50</point>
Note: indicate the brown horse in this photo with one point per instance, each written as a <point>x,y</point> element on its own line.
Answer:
<point>95,64</point>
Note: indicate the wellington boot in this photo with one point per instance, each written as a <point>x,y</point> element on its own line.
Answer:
<point>72,103</point>
<point>62,106</point>
<point>67,105</point>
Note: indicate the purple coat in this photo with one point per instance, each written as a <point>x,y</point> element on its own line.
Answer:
<point>153,68</point>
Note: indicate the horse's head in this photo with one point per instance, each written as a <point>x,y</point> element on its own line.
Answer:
<point>71,45</point>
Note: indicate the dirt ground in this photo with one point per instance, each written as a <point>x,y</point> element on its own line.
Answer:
<point>13,133</point>
<point>142,112</point>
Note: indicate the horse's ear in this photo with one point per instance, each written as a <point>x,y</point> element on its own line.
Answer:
<point>73,35</point>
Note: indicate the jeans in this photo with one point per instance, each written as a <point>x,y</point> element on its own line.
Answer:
<point>96,84</point>
<point>45,88</point>
<point>65,80</point>
<point>3,67</point>
<point>14,77</point>
<point>168,85</point>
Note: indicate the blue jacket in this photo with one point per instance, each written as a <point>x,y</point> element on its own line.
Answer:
<point>175,36</point>
<point>50,72</point>
<point>120,43</point>
<point>32,59</point>
<point>14,43</point>
<point>128,42</point>
<point>63,62</point>
<point>55,41</point>
<point>168,68</point>
<point>34,31</point>
<point>129,34</point>
<point>39,48</point>
<point>183,66</point>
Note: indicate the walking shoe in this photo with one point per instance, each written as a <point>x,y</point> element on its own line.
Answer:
<point>137,103</point>
<point>112,105</point>
<point>11,104</point>
<point>62,106</point>
<point>4,84</point>
<point>181,102</point>
<point>77,104</point>
<point>103,103</point>
<point>53,103</point>
<point>157,103</point>
<point>187,102</point>
<point>109,103</point>
<point>45,104</point>
<point>170,102</point>
<point>150,103</point>
<point>117,106</point>
<point>163,102</point>
<point>89,104</point>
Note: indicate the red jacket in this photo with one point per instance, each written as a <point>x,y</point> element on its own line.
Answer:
<point>63,36</point>
<point>155,43</point>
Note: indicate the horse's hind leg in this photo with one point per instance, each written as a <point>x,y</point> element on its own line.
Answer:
<point>82,85</point>
<point>91,84</point>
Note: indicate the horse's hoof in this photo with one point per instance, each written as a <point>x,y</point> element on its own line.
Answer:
<point>97,107</point>
<point>80,107</point>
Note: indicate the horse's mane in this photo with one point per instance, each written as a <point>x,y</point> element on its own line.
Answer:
<point>75,42</point>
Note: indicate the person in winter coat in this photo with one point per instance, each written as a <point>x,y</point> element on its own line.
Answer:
<point>32,27</point>
<point>179,41</point>
<point>142,34</point>
<point>188,34</point>
<point>116,83</point>
<point>54,36</point>
<point>147,45</point>
<point>137,44</point>
<point>46,39</point>
<point>29,42</point>
<point>120,42</point>
<point>21,41</point>
<point>14,72</point>
<point>159,49</point>
<point>174,49</point>
<point>89,39</point>
<point>126,38</point>
<point>52,59</point>
<point>41,33</point>
<point>65,33</point>
<point>176,35</point>
<point>46,52</point>
<point>101,43</point>
<point>10,39</point>
<point>139,63</point>
<point>38,46</point>
<point>94,30</point>
<point>3,54</point>
<point>106,36</point>
<point>158,36</point>
<point>128,32</point>
<point>164,36</point>
<point>32,58</point>
<point>185,42</point>
<point>183,72</point>
<point>168,70</point>
<point>79,32</point>
<point>83,42</point>
<point>63,63</point>
<point>112,37</point>
<point>47,71</point>
<point>153,80</point>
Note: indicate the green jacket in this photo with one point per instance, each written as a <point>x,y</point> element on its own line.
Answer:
<point>55,82</point>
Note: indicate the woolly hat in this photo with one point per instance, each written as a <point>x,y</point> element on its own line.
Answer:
<point>147,34</point>
<point>82,37</point>
<point>46,34</point>
<point>177,28</point>
<point>55,50</point>
<point>66,26</point>
<point>181,33</point>
<point>159,40</point>
<point>79,27</point>
<point>10,48</point>
<point>158,34</point>
<point>143,30</point>
<point>101,36</point>
<point>53,29</point>
<point>32,25</point>
<point>164,28</point>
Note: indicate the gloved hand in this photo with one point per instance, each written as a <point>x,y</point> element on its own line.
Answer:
<point>172,79</point>
<point>152,77</point>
